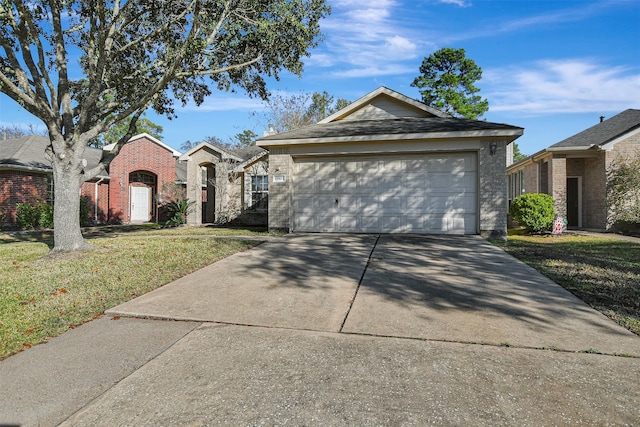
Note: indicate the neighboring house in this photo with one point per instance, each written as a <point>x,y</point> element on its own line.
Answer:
<point>227,186</point>
<point>574,171</point>
<point>144,176</point>
<point>26,177</point>
<point>388,163</point>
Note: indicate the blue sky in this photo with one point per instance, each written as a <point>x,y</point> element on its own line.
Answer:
<point>550,66</point>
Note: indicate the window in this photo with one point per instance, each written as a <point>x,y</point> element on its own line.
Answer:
<point>516,185</point>
<point>259,192</point>
<point>142,177</point>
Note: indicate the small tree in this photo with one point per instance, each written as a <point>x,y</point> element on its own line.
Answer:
<point>288,112</point>
<point>533,211</point>
<point>623,191</point>
<point>447,83</point>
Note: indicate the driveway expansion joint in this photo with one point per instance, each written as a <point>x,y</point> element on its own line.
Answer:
<point>355,294</point>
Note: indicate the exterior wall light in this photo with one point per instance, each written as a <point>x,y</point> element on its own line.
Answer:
<point>493,147</point>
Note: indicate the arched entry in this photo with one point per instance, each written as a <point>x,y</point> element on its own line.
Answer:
<point>203,175</point>
<point>142,190</point>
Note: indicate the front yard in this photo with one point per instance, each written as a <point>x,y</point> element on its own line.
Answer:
<point>43,296</point>
<point>604,273</point>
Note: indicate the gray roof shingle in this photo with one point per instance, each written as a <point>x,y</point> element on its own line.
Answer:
<point>28,152</point>
<point>603,132</point>
<point>406,125</point>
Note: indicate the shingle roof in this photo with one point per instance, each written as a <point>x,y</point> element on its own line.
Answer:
<point>407,125</point>
<point>246,153</point>
<point>28,152</point>
<point>603,132</point>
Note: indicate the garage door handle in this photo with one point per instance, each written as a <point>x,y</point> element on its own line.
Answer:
<point>336,201</point>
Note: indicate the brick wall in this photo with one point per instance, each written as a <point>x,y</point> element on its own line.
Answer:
<point>140,155</point>
<point>280,163</point>
<point>88,190</point>
<point>558,184</point>
<point>493,190</point>
<point>20,187</point>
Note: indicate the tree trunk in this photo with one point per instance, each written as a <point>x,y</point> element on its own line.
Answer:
<point>67,236</point>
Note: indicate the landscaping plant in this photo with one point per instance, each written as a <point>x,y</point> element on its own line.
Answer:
<point>533,211</point>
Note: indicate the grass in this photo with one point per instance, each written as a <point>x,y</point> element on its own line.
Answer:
<point>42,296</point>
<point>604,273</point>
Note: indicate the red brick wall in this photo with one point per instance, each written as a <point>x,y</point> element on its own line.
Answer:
<point>88,190</point>
<point>20,187</point>
<point>141,155</point>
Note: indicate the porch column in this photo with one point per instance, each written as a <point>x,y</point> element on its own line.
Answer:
<point>194,192</point>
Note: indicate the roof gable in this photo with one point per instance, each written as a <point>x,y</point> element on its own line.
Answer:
<point>606,132</point>
<point>384,103</point>
<point>224,154</point>
<point>175,153</point>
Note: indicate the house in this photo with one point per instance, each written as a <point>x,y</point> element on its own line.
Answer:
<point>145,175</point>
<point>574,170</point>
<point>227,186</point>
<point>387,163</point>
<point>26,176</point>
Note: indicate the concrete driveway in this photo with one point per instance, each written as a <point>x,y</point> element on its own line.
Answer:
<point>339,330</point>
<point>458,289</point>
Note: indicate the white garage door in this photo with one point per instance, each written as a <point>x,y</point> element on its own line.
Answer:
<point>434,194</point>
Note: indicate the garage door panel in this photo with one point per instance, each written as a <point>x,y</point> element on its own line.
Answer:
<point>369,223</point>
<point>368,204</point>
<point>347,182</point>
<point>393,203</point>
<point>434,193</point>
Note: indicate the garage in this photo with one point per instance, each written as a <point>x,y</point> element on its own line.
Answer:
<point>387,163</point>
<point>412,193</point>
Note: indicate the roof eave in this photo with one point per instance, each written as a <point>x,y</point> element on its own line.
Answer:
<point>510,133</point>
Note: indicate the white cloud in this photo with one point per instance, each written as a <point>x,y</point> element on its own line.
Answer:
<point>213,103</point>
<point>363,34</point>
<point>562,86</point>
<point>461,3</point>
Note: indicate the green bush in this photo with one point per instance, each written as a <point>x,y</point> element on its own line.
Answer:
<point>45,215</point>
<point>27,216</point>
<point>40,215</point>
<point>85,208</point>
<point>533,211</point>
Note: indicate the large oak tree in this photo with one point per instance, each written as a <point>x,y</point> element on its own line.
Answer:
<point>83,66</point>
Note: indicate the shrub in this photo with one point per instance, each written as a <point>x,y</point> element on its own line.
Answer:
<point>623,192</point>
<point>40,215</point>
<point>45,215</point>
<point>27,216</point>
<point>85,208</point>
<point>533,211</point>
<point>178,211</point>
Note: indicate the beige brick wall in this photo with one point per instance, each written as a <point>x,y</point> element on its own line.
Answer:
<point>280,193</point>
<point>493,190</point>
<point>558,184</point>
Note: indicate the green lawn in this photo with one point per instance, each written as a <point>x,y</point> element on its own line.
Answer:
<point>604,273</point>
<point>43,296</point>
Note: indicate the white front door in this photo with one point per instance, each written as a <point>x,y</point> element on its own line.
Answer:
<point>140,203</point>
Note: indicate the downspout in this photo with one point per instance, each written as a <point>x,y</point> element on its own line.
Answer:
<point>95,213</point>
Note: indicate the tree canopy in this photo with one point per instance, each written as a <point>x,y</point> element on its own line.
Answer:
<point>82,67</point>
<point>448,83</point>
<point>292,111</point>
